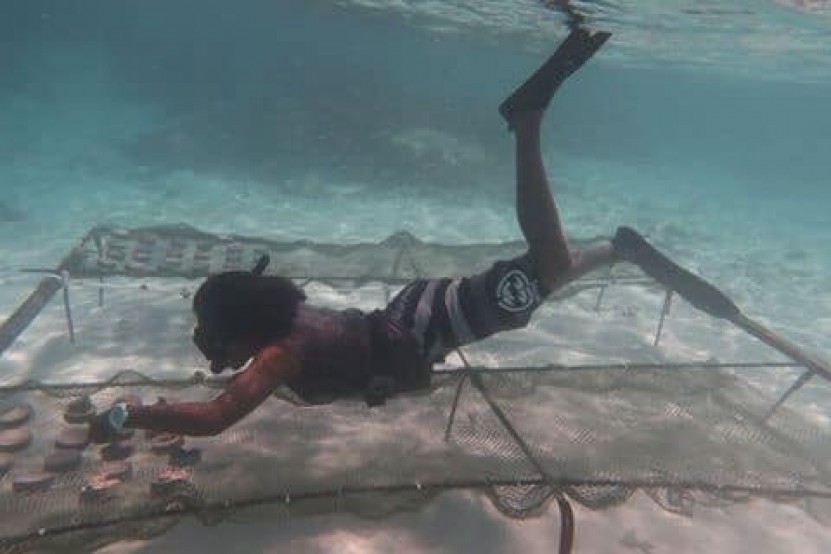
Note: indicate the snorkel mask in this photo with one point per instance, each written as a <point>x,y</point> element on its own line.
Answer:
<point>213,345</point>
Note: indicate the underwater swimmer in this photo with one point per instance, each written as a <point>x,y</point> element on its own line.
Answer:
<point>321,354</point>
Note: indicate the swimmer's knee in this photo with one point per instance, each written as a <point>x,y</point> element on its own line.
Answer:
<point>581,261</point>
<point>553,268</point>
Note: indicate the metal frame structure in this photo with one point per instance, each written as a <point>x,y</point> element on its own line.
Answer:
<point>699,293</point>
<point>58,279</point>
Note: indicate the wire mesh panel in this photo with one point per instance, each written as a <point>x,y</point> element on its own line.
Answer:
<point>183,251</point>
<point>685,433</point>
<point>613,432</point>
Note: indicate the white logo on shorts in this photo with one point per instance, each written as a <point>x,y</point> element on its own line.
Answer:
<point>516,293</point>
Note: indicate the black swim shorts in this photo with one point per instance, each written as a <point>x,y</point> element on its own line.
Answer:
<point>445,313</point>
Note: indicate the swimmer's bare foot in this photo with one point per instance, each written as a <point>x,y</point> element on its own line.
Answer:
<point>535,94</point>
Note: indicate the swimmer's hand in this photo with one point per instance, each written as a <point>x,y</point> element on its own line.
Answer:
<point>100,430</point>
<point>106,426</point>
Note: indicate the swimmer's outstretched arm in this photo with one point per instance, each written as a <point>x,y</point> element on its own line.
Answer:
<point>270,368</point>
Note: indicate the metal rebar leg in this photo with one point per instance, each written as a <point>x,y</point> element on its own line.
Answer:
<point>64,279</point>
<point>598,303</point>
<point>610,280</point>
<point>664,313</point>
<point>798,384</point>
<point>453,408</point>
<point>566,512</point>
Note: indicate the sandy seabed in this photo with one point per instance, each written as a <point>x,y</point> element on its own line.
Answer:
<point>148,329</point>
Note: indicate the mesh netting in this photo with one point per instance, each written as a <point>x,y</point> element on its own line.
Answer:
<point>685,434</point>
<point>182,251</point>
<point>615,431</point>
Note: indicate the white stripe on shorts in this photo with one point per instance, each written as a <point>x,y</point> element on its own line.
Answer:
<point>461,328</point>
<point>424,311</point>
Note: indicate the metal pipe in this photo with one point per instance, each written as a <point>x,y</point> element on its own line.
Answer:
<point>664,313</point>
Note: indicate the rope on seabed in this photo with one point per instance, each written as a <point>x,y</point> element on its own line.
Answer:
<point>566,512</point>
<point>215,508</point>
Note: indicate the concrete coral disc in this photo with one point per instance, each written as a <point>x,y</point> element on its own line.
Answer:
<point>166,443</point>
<point>75,438</point>
<point>80,410</point>
<point>15,439</point>
<point>115,470</point>
<point>35,481</point>
<point>15,416</point>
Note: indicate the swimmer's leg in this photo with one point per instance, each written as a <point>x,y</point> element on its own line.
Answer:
<point>536,211</point>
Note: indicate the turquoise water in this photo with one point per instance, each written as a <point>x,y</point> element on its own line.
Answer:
<point>704,124</point>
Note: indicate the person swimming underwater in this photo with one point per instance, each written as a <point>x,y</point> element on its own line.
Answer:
<point>321,354</point>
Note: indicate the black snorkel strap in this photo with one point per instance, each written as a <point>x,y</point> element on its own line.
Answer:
<point>212,347</point>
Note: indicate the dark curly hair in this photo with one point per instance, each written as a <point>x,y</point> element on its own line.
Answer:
<point>244,305</point>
